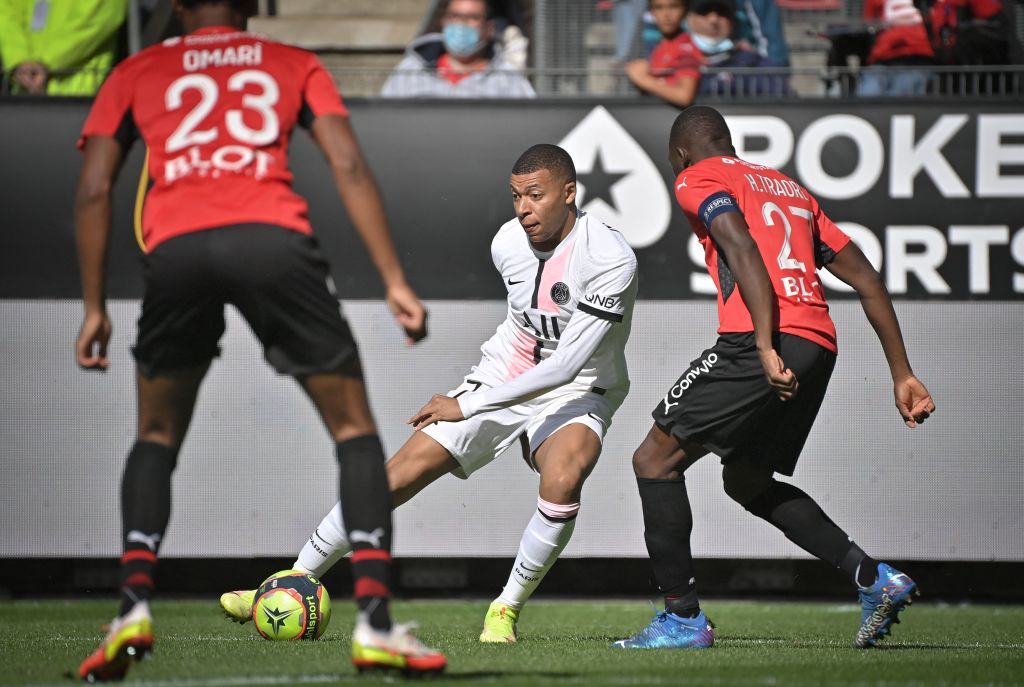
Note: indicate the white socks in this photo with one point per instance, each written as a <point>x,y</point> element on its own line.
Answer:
<point>542,541</point>
<point>326,545</point>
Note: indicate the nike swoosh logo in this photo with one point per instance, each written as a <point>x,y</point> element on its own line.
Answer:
<point>513,283</point>
<point>682,185</point>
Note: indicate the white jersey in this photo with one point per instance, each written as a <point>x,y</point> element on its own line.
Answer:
<point>569,317</point>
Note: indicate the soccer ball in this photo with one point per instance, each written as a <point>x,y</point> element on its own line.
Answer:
<point>291,605</point>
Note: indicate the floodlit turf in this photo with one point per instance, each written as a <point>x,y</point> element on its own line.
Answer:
<point>562,642</point>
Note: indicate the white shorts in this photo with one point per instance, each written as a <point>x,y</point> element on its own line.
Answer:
<point>477,441</point>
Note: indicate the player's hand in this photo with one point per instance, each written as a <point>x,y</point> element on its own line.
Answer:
<point>410,313</point>
<point>913,401</point>
<point>91,346</point>
<point>780,378</point>
<point>438,409</point>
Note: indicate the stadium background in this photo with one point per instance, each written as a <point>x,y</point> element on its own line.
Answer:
<point>257,471</point>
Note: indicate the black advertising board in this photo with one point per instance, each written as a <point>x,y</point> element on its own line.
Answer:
<point>934,193</point>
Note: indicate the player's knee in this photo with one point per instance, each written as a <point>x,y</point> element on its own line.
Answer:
<point>650,464</point>
<point>564,486</point>
<point>404,483</point>
<point>744,482</point>
<point>345,430</point>
<point>162,433</point>
<point>641,463</point>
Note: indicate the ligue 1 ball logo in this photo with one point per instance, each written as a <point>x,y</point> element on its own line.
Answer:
<point>291,605</point>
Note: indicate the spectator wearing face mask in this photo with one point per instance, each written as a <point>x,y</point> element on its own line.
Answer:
<point>676,70</point>
<point>758,27</point>
<point>463,61</point>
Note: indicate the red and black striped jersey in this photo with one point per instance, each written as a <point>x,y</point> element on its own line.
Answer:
<point>794,236</point>
<point>216,109</point>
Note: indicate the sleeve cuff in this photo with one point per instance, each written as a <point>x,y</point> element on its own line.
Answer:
<point>470,404</point>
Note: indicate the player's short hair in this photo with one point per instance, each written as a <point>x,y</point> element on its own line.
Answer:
<point>247,7</point>
<point>699,122</point>
<point>549,157</point>
<point>684,3</point>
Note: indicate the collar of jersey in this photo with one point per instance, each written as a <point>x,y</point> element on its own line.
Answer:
<point>548,254</point>
<point>216,29</point>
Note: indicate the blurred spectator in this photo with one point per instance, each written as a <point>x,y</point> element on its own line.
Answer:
<point>511,19</point>
<point>59,47</point>
<point>953,32</point>
<point>674,71</point>
<point>651,34</point>
<point>968,32</point>
<point>463,61</point>
<point>901,43</point>
<point>626,16</point>
<point>757,27</point>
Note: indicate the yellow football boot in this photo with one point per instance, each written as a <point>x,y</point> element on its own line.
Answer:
<point>395,650</point>
<point>237,606</point>
<point>500,624</point>
<point>130,637</point>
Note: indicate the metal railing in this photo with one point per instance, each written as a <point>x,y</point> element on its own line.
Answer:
<point>998,82</point>
<point>1003,82</point>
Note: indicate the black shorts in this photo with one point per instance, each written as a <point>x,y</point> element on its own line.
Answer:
<point>278,280</point>
<point>724,403</point>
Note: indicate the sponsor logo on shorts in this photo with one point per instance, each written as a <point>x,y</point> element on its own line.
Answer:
<point>676,392</point>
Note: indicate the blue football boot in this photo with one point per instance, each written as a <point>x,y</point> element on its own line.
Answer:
<point>669,631</point>
<point>881,604</point>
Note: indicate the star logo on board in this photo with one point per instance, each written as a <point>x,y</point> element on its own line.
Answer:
<point>618,183</point>
<point>598,182</point>
<point>276,617</point>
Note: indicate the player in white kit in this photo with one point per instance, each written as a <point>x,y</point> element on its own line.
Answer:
<point>551,376</point>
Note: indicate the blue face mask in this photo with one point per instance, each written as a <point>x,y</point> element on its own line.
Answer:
<point>462,40</point>
<point>711,46</point>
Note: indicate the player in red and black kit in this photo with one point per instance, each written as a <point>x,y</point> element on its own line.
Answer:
<point>222,225</point>
<point>753,396</point>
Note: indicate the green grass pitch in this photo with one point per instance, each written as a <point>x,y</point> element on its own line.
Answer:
<point>562,642</point>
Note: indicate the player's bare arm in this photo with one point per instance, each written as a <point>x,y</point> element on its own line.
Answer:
<point>103,157</point>
<point>730,232</point>
<point>913,401</point>
<point>361,196</point>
